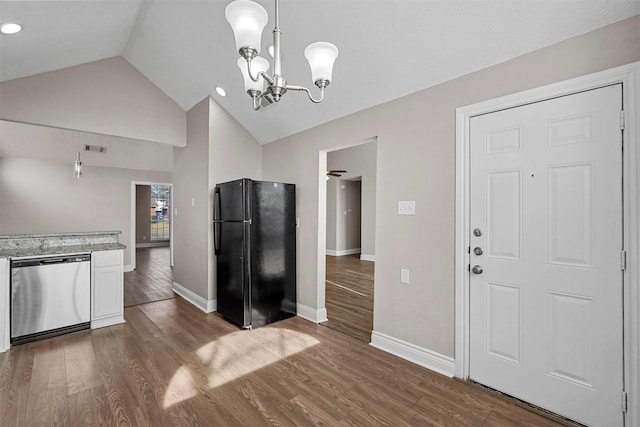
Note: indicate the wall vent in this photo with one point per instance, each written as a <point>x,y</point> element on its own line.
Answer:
<point>96,148</point>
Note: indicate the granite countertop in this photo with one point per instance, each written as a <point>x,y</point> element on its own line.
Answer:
<point>59,250</point>
<point>49,235</point>
<point>43,244</point>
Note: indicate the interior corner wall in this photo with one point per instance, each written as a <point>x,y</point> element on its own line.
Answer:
<point>233,154</point>
<point>191,204</point>
<point>143,215</point>
<point>107,97</point>
<point>416,161</point>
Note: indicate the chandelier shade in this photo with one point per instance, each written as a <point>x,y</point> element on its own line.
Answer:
<point>247,19</point>
<point>321,56</point>
<point>258,65</point>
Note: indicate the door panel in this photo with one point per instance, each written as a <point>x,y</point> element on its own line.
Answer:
<point>546,311</point>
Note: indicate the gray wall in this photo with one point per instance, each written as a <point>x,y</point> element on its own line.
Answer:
<point>332,213</point>
<point>191,200</point>
<point>359,161</point>
<point>344,200</point>
<point>143,209</point>
<point>416,161</point>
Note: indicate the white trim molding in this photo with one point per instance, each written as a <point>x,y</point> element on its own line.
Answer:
<point>163,243</point>
<point>629,76</point>
<point>343,252</point>
<point>208,306</point>
<point>437,362</point>
<point>311,314</point>
<point>366,257</point>
<point>128,268</point>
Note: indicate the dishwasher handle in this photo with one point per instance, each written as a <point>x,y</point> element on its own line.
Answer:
<point>31,262</point>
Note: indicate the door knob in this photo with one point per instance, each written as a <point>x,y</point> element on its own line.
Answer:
<point>478,250</point>
<point>477,269</point>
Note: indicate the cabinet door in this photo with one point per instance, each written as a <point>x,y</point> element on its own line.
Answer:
<point>107,293</point>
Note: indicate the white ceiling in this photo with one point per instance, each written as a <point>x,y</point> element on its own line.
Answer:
<point>388,48</point>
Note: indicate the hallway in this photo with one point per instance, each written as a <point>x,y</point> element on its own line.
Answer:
<point>349,296</point>
<point>152,279</point>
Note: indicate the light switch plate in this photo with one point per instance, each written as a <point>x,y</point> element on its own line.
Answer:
<point>404,275</point>
<point>407,207</point>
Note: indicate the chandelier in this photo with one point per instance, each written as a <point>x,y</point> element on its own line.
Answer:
<point>248,19</point>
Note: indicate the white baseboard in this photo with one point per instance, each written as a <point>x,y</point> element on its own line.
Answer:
<point>153,244</point>
<point>109,321</point>
<point>311,314</point>
<point>208,306</point>
<point>128,268</point>
<point>440,363</point>
<point>343,252</point>
<point>365,257</point>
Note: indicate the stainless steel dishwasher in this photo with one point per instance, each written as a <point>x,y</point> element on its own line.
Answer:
<point>49,296</point>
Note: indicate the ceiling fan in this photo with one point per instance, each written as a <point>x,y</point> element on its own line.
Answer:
<point>336,172</point>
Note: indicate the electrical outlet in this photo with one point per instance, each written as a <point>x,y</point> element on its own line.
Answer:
<point>407,207</point>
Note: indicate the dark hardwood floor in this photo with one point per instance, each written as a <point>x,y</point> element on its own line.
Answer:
<point>349,296</point>
<point>152,279</point>
<point>172,365</point>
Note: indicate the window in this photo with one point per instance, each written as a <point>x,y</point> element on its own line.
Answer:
<point>160,212</point>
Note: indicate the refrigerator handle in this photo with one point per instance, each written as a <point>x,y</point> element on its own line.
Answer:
<point>216,223</point>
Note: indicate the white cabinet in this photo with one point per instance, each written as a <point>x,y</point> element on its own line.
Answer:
<point>107,288</point>
<point>4,304</point>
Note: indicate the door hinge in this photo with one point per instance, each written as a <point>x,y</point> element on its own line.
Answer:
<point>468,267</point>
<point>623,260</point>
<point>624,401</point>
<point>622,119</point>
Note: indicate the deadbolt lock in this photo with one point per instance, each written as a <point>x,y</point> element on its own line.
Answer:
<point>477,232</point>
<point>478,250</point>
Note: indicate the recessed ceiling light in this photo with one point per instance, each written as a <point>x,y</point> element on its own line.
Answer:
<point>221,91</point>
<point>10,28</point>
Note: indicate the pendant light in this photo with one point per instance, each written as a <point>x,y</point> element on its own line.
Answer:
<point>77,166</point>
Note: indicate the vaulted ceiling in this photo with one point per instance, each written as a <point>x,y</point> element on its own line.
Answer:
<point>388,48</point>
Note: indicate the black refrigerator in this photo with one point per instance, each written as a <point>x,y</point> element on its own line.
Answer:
<point>254,234</point>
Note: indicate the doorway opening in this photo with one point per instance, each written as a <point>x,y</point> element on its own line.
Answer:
<point>349,249</point>
<point>150,276</point>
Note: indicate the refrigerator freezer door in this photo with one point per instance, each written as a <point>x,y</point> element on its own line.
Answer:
<point>229,201</point>
<point>273,252</point>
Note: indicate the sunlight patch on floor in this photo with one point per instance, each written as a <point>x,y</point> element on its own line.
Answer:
<point>233,356</point>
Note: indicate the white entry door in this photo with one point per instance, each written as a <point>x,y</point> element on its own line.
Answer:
<point>546,295</point>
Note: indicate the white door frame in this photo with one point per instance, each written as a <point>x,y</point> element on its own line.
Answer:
<point>132,247</point>
<point>629,76</point>
<point>320,314</point>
